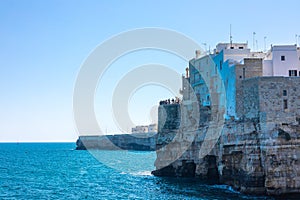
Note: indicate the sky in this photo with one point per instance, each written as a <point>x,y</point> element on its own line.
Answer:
<point>43,45</point>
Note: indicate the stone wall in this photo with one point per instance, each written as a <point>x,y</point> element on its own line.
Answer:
<point>271,99</point>
<point>250,99</point>
<point>252,67</point>
<point>265,97</point>
<point>257,154</point>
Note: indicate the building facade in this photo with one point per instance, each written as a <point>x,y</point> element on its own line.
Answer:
<point>257,149</point>
<point>151,128</point>
<point>282,60</point>
<point>235,62</point>
<point>139,129</point>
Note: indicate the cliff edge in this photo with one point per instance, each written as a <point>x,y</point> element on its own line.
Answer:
<point>256,154</point>
<point>138,142</point>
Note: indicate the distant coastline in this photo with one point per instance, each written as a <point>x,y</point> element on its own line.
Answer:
<point>135,141</point>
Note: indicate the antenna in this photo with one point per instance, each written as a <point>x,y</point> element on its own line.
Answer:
<point>256,45</point>
<point>230,36</point>
<point>205,47</point>
<point>265,44</point>
<point>253,40</point>
<point>296,36</point>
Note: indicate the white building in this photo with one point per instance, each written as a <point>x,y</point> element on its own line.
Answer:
<point>233,51</point>
<point>152,128</point>
<point>139,129</point>
<point>282,60</point>
<point>227,59</point>
<point>235,62</point>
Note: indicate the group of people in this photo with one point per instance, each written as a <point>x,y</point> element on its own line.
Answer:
<point>170,101</point>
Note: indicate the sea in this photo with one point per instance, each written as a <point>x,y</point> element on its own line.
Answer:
<point>58,171</point>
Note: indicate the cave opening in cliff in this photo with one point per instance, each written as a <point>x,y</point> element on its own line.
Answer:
<point>212,172</point>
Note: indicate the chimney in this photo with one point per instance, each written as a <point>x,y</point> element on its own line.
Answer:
<point>187,72</point>
<point>198,53</point>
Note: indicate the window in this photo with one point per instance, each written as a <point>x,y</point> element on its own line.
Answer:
<point>282,58</point>
<point>231,47</point>
<point>284,93</point>
<point>220,64</point>
<point>292,72</point>
<point>196,77</point>
<point>241,47</point>
<point>241,77</point>
<point>285,104</point>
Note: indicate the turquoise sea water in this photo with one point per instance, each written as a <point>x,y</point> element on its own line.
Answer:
<point>56,171</point>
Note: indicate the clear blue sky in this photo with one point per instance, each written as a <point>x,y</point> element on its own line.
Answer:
<point>44,43</point>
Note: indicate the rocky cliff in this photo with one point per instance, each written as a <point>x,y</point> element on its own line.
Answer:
<point>139,142</point>
<point>250,155</point>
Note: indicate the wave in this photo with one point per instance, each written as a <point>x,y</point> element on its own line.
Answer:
<point>226,187</point>
<point>142,173</point>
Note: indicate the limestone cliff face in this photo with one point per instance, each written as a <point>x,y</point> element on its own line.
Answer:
<point>140,142</point>
<point>250,155</point>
